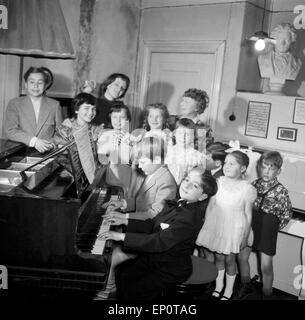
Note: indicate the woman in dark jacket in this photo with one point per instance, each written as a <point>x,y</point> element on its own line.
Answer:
<point>111,91</point>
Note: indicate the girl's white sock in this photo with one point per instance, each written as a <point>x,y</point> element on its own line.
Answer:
<point>219,283</point>
<point>229,286</point>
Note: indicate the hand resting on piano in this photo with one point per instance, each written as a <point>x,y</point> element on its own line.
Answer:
<point>116,220</point>
<point>113,205</point>
<point>116,214</point>
<point>113,235</point>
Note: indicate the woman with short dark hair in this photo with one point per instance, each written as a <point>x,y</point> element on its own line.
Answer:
<point>110,92</point>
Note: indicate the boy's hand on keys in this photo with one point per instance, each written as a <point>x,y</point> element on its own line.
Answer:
<point>112,235</point>
<point>112,205</point>
<point>115,214</point>
<point>110,220</point>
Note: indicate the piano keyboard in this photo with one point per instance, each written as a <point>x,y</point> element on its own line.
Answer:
<point>99,245</point>
<point>295,227</point>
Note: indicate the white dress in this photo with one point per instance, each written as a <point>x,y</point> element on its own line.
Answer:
<point>117,152</point>
<point>225,221</point>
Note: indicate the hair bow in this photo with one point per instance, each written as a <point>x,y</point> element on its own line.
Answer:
<point>234,145</point>
<point>176,203</point>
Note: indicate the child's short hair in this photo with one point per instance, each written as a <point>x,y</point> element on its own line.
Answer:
<point>217,151</point>
<point>208,184</point>
<point>118,107</point>
<point>82,98</point>
<point>189,124</point>
<point>241,158</point>
<point>151,147</point>
<point>165,114</point>
<point>47,74</point>
<point>200,96</point>
<point>272,157</point>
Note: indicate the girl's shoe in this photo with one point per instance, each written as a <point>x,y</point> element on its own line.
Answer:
<point>216,294</point>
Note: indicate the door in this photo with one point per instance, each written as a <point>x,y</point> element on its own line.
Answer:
<point>173,73</point>
<point>170,68</point>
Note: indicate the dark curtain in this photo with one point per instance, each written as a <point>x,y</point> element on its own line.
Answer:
<point>36,27</point>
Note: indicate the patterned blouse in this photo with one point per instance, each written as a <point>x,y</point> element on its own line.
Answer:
<point>277,201</point>
<point>64,132</point>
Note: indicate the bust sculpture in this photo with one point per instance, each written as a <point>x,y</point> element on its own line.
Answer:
<point>278,64</point>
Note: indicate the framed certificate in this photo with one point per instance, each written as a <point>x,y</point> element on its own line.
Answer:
<point>288,134</point>
<point>299,111</point>
<point>258,116</point>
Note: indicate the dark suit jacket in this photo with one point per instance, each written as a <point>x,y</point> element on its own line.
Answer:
<point>218,174</point>
<point>167,241</point>
<point>20,123</point>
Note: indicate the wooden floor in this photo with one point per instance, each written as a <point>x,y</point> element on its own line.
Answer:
<point>21,293</point>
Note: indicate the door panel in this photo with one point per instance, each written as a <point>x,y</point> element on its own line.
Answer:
<point>172,73</point>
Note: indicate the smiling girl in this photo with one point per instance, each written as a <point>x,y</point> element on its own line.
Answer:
<point>84,112</point>
<point>228,220</point>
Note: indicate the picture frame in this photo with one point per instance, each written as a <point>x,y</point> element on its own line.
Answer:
<point>288,134</point>
<point>299,111</point>
<point>258,116</point>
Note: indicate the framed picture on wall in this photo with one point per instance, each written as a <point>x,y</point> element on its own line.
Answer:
<point>299,111</point>
<point>258,116</point>
<point>288,134</point>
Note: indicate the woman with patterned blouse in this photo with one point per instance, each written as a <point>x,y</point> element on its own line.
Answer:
<point>272,211</point>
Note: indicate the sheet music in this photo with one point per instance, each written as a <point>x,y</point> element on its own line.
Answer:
<point>85,152</point>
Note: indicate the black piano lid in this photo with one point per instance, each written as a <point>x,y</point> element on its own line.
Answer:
<point>8,147</point>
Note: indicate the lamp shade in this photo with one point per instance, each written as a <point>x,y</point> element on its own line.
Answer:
<point>261,35</point>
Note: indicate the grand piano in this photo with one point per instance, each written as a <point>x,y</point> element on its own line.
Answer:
<point>49,220</point>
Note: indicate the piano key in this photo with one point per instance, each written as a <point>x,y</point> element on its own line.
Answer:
<point>99,245</point>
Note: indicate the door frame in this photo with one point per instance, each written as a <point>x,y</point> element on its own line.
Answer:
<point>217,48</point>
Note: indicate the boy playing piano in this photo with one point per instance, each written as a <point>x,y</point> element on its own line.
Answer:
<point>164,243</point>
<point>148,199</point>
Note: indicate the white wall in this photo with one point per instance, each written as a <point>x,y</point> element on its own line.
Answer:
<point>205,21</point>
<point>281,116</point>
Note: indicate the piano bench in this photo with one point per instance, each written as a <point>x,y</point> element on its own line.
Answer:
<point>204,273</point>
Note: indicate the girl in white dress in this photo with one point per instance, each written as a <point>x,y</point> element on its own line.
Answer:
<point>228,220</point>
<point>114,147</point>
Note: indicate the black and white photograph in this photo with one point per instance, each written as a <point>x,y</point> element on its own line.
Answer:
<point>152,154</point>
